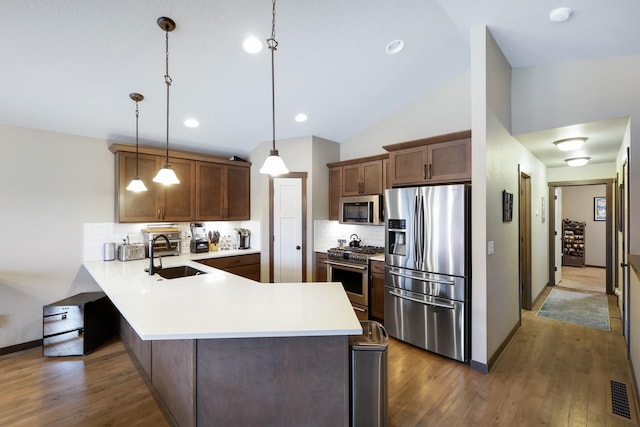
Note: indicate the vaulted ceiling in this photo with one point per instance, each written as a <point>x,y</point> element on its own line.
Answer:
<point>69,65</point>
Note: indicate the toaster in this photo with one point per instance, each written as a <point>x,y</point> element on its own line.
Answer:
<point>130,252</point>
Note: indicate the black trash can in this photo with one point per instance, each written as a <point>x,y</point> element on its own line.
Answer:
<point>368,368</point>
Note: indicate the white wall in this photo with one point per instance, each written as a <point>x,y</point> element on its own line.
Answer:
<point>497,159</point>
<point>444,110</point>
<point>577,205</point>
<point>583,173</point>
<point>50,184</point>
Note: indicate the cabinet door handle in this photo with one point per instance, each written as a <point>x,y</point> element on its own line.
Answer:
<point>429,170</point>
<point>424,171</point>
<point>158,213</point>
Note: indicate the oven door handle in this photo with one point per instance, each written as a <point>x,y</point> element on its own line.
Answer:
<point>450,307</point>
<point>358,309</point>
<point>408,276</point>
<point>357,267</point>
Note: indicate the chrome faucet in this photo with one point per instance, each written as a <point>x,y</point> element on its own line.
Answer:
<point>152,268</point>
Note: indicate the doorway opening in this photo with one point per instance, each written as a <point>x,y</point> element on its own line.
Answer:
<point>581,249</point>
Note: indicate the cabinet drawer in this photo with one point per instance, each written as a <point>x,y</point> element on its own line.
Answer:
<point>377,267</point>
<point>225,263</point>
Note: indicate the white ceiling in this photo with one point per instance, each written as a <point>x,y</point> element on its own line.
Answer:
<point>69,65</point>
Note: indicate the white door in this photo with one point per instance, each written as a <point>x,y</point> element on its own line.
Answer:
<point>287,230</point>
<point>558,233</point>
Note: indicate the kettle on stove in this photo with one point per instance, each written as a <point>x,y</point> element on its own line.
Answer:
<point>355,241</point>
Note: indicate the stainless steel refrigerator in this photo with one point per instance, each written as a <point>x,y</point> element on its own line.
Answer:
<point>427,267</point>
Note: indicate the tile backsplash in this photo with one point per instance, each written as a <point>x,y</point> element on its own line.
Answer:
<point>95,235</point>
<point>326,234</point>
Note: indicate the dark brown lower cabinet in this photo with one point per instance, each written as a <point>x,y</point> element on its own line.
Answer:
<point>321,267</point>
<point>268,381</point>
<point>376,286</point>
<point>242,265</point>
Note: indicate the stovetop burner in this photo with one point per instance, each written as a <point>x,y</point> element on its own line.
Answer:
<point>358,254</point>
<point>370,250</point>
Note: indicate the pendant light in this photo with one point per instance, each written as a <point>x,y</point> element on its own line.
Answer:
<point>273,165</point>
<point>166,175</point>
<point>136,185</point>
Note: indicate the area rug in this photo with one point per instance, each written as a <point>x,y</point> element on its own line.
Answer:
<point>576,307</point>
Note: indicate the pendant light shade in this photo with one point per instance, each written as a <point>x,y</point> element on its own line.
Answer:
<point>166,175</point>
<point>273,165</point>
<point>136,185</point>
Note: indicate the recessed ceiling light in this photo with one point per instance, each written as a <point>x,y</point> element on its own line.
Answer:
<point>252,45</point>
<point>569,144</point>
<point>191,123</point>
<point>301,117</point>
<point>394,47</point>
<point>560,14</point>
<point>577,161</point>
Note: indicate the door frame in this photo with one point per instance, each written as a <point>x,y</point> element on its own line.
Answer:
<point>524,238</point>
<point>609,255</point>
<point>303,177</point>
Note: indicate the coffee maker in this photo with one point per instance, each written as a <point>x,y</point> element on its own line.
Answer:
<point>199,242</point>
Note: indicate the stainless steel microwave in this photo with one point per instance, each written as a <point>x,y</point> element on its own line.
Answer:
<point>362,210</point>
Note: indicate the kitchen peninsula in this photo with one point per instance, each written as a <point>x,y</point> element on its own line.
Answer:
<point>220,349</point>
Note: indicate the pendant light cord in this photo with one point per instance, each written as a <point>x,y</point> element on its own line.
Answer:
<point>273,46</point>
<point>137,114</point>
<point>168,81</point>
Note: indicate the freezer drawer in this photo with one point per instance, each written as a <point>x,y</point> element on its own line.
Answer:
<point>420,282</point>
<point>435,324</point>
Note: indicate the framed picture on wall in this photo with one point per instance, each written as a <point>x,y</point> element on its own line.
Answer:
<point>507,206</point>
<point>599,208</point>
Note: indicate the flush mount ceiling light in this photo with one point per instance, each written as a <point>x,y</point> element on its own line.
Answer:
<point>166,175</point>
<point>569,144</point>
<point>577,161</point>
<point>252,45</point>
<point>394,47</point>
<point>273,165</point>
<point>191,123</point>
<point>301,118</point>
<point>136,185</point>
<point>560,14</point>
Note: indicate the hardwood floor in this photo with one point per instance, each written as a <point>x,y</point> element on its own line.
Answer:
<point>592,279</point>
<point>551,373</point>
<point>100,389</point>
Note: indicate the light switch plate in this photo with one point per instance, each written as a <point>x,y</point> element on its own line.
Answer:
<point>490,248</point>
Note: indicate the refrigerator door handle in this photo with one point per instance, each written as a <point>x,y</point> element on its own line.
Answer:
<point>416,219</point>
<point>422,279</point>
<point>419,301</point>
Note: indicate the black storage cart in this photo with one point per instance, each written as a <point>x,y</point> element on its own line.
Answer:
<point>76,325</point>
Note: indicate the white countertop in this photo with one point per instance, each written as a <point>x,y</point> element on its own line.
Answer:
<point>219,304</point>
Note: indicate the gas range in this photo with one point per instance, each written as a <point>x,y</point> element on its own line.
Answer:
<point>357,255</point>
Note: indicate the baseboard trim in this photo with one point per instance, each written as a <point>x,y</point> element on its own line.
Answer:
<point>19,347</point>
<point>503,345</point>
<point>478,366</point>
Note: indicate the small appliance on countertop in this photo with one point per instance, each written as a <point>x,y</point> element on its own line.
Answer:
<point>131,251</point>
<point>159,247</point>
<point>199,241</point>
<point>244,238</point>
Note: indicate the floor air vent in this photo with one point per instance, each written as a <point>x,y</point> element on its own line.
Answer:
<point>621,401</point>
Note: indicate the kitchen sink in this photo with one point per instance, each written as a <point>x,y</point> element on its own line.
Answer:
<point>179,271</point>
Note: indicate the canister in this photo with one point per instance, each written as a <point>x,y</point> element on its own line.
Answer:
<point>109,252</point>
